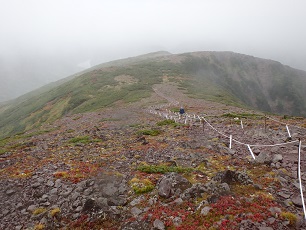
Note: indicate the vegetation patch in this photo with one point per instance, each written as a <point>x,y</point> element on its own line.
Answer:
<point>242,115</point>
<point>141,185</point>
<point>150,132</point>
<point>38,211</point>
<point>54,212</point>
<point>78,171</point>
<point>256,209</point>
<point>163,169</point>
<point>290,217</point>
<point>165,122</point>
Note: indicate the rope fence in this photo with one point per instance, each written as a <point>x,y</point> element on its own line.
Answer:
<point>177,118</point>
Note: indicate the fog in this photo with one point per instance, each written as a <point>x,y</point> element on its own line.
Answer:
<point>43,41</point>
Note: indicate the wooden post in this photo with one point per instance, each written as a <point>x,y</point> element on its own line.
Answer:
<point>265,123</point>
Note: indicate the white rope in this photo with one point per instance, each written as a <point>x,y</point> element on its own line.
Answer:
<point>231,139</point>
<point>253,145</point>
<point>276,120</point>
<point>300,181</point>
<point>275,144</point>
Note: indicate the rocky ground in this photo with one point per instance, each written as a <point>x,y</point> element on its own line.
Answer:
<point>128,168</point>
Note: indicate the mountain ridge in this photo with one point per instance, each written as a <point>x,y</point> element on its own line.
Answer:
<point>227,77</point>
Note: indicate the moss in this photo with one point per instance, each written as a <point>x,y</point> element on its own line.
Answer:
<point>141,186</point>
<point>150,132</point>
<point>162,169</point>
<point>39,227</point>
<point>38,211</point>
<point>290,217</point>
<point>55,212</point>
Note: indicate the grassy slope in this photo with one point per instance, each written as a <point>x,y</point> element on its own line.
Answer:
<point>219,76</point>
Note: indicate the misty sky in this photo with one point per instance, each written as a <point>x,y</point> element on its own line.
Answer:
<point>44,40</point>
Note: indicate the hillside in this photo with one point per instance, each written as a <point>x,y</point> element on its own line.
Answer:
<point>226,77</point>
<point>127,167</point>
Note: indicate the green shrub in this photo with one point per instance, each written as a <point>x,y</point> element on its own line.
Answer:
<point>162,169</point>
<point>141,186</point>
<point>165,122</point>
<point>290,217</point>
<point>151,132</point>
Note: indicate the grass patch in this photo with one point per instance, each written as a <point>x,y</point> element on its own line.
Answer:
<point>290,217</point>
<point>54,212</point>
<point>141,185</point>
<point>38,211</point>
<point>162,169</point>
<point>150,132</point>
<point>242,115</point>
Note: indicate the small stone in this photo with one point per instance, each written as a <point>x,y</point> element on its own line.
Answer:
<point>88,191</point>
<point>35,185</point>
<point>53,191</point>
<point>46,204</point>
<point>32,208</point>
<point>158,224</point>
<point>205,210</point>
<point>10,192</point>
<point>265,228</point>
<point>277,158</point>
<point>50,183</point>
<point>74,196</point>
<point>284,195</point>
<point>19,206</point>
<point>297,201</point>
<point>287,202</point>
<point>178,201</point>
<point>89,204</point>
<point>297,185</point>
<point>43,221</point>
<point>78,209</point>
<point>76,215</point>
<point>177,221</point>
<point>271,220</point>
<point>135,211</point>
<point>19,227</point>
<point>258,186</point>
<point>275,210</point>
<point>58,183</point>
<point>136,201</point>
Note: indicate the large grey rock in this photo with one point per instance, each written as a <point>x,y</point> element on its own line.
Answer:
<point>164,188</point>
<point>277,158</point>
<point>264,158</point>
<point>230,177</point>
<point>172,183</point>
<point>297,201</point>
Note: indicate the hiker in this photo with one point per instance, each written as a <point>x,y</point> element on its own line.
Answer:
<point>182,111</point>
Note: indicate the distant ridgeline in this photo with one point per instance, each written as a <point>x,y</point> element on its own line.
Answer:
<point>225,77</point>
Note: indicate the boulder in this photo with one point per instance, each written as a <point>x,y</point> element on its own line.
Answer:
<point>277,158</point>
<point>172,183</point>
<point>264,158</point>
